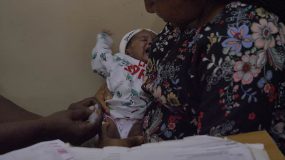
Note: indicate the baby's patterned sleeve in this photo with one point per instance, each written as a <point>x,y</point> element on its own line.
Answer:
<point>102,58</point>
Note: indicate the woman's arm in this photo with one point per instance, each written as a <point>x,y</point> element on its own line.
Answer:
<point>10,111</point>
<point>68,125</point>
<point>102,58</point>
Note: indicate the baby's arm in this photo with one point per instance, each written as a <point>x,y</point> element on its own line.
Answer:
<point>102,58</point>
<point>102,95</point>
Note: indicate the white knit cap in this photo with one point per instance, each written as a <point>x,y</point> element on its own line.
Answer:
<point>127,37</point>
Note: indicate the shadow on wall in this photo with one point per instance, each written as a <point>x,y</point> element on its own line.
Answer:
<point>157,25</point>
<point>1,90</point>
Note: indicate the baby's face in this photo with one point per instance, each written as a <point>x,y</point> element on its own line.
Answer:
<point>139,44</point>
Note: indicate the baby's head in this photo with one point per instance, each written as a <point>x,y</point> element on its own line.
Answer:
<point>136,43</point>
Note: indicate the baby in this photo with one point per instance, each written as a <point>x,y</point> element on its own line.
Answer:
<point>124,73</point>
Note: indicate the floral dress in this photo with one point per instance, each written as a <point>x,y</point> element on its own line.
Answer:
<point>224,78</point>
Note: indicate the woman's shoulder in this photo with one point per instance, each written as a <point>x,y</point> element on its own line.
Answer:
<point>247,12</point>
<point>236,14</point>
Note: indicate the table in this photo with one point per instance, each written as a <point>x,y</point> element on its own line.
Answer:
<point>260,137</point>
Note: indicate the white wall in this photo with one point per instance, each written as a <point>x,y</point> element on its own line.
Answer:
<point>45,47</point>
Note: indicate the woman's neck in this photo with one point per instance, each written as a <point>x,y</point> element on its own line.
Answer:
<point>206,16</point>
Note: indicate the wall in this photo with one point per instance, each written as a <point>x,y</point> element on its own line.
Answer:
<point>45,47</point>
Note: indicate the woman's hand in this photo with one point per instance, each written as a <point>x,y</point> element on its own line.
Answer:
<point>85,103</point>
<point>70,126</point>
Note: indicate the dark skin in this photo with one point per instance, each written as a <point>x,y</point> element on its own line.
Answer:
<point>13,109</point>
<point>20,128</point>
<point>185,12</point>
<point>102,95</point>
<point>178,12</point>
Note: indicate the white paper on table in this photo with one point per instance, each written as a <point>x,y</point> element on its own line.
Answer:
<point>82,153</point>
<point>194,141</point>
<point>194,148</point>
<point>50,150</point>
<point>107,153</point>
<point>198,148</point>
<point>226,152</point>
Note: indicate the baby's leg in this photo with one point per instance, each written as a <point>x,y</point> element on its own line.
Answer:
<point>136,129</point>
<point>112,128</point>
<point>124,126</point>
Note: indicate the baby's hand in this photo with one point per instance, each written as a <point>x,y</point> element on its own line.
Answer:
<point>108,32</point>
<point>105,35</point>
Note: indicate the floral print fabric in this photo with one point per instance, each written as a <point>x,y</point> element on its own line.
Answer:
<point>224,78</point>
